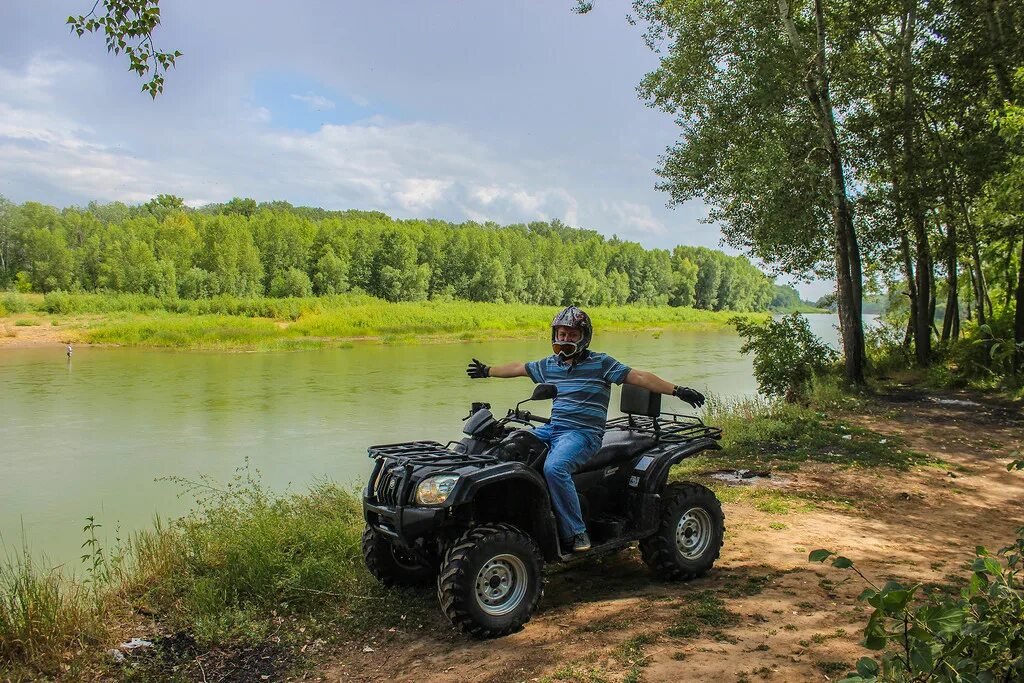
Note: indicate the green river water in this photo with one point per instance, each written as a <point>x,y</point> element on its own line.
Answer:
<point>93,436</point>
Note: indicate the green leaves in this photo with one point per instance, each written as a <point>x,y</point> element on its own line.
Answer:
<point>127,26</point>
<point>819,555</point>
<point>978,636</point>
<point>839,563</point>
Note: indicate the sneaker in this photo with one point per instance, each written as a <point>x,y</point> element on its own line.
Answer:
<point>581,543</point>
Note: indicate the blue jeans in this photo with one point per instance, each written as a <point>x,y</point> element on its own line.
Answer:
<point>568,450</point>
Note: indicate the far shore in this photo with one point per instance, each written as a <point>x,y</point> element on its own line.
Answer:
<point>298,324</point>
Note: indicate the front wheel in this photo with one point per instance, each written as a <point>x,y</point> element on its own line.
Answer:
<point>689,536</point>
<point>491,580</point>
<point>393,566</point>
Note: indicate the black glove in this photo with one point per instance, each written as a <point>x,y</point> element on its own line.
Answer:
<point>477,370</point>
<point>691,396</point>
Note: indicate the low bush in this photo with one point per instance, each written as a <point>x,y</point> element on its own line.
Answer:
<point>977,635</point>
<point>787,355</point>
<point>883,344</point>
<point>16,303</point>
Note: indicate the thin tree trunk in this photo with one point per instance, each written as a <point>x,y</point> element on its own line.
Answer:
<point>932,296</point>
<point>1008,271</point>
<point>1018,317</point>
<point>847,252</point>
<point>970,274</point>
<point>978,279</point>
<point>922,324</point>
<point>951,320</point>
<point>915,301</point>
<point>997,40</point>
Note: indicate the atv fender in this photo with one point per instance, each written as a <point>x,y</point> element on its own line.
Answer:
<point>511,494</point>
<point>648,476</point>
<point>650,470</point>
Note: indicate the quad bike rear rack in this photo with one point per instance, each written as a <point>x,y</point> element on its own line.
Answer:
<point>671,428</point>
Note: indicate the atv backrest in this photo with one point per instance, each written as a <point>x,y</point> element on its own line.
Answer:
<point>638,401</point>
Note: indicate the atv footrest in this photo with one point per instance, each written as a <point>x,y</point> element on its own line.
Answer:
<point>601,548</point>
<point>607,527</point>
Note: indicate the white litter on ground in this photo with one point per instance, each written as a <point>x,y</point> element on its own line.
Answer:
<point>136,643</point>
<point>953,401</point>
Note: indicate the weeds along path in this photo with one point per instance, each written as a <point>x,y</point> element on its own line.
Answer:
<point>764,612</point>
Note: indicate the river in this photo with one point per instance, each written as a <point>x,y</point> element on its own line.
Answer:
<point>93,436</point>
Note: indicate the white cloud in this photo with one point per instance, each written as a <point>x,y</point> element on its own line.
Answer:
<point>314,101</point>
<point>34,83</point>
<point>630,219</point>
<point>407,169</point>
<point>421,193</point>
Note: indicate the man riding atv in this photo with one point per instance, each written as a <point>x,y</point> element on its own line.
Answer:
<point>583,378</point>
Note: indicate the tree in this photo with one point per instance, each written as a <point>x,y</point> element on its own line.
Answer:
<point>760,142</point>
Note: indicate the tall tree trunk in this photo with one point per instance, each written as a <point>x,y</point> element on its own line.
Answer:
<point>932,298</point>
<point>1018,316</point>
<point>915,301</point>
<point>847,252</point>
<point>912,193</point>
<point>970,273</point>
<point>1009,273</point>
<point>997,42</point>
<point>978,275</point>
<point>951,320</point>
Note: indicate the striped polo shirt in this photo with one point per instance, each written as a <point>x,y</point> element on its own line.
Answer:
<point>584,388</point>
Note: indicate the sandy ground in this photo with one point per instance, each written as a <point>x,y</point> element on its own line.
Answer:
<point>805,623</point>
<point>25,336</point>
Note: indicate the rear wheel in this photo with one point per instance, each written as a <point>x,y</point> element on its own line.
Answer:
<point>690,534</point>
<point>392,565</point>
<point>491,580</point>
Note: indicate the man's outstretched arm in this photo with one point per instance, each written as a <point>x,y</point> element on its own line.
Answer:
<point>651,382</point>
<point>478,370</point>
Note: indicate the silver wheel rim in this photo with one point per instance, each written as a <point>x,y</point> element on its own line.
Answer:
<point>501,584</point>
<point>693,533</point>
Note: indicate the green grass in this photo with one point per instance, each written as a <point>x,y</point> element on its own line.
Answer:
<point>704,613</point>
<point>25,322</point>
<point>263,323</point>
<point>229,574</point>
<point>760,434</point>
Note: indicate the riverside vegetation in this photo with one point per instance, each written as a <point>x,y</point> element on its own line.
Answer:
<point>265,323</point>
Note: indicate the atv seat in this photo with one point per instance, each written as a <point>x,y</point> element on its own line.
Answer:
<point>618,446</point>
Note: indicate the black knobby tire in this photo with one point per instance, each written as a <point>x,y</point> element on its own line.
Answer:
<point>676,551</point>
<point>491,552</point>
<point>391,566</point>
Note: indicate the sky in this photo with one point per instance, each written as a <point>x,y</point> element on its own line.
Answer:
<point>501,111</point>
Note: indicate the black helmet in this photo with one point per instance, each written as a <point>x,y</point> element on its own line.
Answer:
<point>573,317</point>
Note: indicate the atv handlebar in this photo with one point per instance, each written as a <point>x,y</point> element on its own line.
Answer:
<point>527,415</point>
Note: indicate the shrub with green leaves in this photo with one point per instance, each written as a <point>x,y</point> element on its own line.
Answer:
<point>787,355</point>
<point>976,637</point>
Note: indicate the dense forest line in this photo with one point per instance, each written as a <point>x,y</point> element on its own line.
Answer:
<point>244,249</point>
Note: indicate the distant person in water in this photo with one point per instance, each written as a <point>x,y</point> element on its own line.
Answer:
<point>69,351</point>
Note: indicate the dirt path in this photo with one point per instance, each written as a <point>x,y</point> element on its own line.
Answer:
<point>763,613</point>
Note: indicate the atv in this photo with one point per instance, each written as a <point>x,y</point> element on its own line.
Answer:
<point>474,517</point>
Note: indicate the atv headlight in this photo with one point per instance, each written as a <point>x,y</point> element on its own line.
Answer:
<point>435,490</point>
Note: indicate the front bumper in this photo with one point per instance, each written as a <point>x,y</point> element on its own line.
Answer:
<point>404,523</point>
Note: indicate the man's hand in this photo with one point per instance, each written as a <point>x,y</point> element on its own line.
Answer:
<point>691,396</point>
<point>477,370</point>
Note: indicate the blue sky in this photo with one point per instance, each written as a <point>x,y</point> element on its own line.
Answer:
<point>509,112</point>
